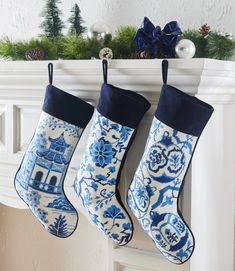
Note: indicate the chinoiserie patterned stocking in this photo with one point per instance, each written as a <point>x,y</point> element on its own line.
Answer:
<point>154,192</point>
<point>40,178</point>
<point>116,119</point>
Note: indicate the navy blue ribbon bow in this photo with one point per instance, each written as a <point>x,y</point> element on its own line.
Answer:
<point>157,40</point>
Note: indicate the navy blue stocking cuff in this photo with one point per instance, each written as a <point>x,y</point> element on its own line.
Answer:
<point>125,107</point>
<point>67,107</point>
<point>182,112</point>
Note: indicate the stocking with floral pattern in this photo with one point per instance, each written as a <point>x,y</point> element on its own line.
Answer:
<point>116,119</point>
<point>154,192</point>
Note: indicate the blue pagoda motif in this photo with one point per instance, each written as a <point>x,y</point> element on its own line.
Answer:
<point>50,166</point>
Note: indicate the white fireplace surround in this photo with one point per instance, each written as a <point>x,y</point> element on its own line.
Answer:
<point>208,199</point>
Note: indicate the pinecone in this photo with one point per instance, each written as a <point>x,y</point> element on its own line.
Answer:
<point>205,30</point>
<point>145,54</point>
<point>34,54</point>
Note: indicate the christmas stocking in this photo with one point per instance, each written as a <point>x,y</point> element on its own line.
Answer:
<point>39,180</point>
<point>153,195</point>
<point>116,119</point>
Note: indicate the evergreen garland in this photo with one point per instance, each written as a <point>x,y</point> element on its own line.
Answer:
<point>73,46</point>
<point>123,45</point>
<point>77,47</point>
<point>76,22</point>
<point>209,45</point>
<point>213,45</point>
<point>52,25</point>
<point>219,46</point>
<point>16,50</point>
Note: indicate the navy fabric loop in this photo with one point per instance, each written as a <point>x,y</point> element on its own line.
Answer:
<point>105,70</point>
<point>164,70</point>
<point>50,73</point>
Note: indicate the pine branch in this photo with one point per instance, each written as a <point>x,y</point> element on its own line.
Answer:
<point>220,47</point>
<point>123,44</point>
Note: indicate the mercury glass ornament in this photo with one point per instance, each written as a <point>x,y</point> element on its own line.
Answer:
<point>99,30</point>
<point>106,53</point>
<point>185,49</point>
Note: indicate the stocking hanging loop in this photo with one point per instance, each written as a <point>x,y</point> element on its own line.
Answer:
<point>50,73</point>
<point>164,70</point>
<point>105,70</point>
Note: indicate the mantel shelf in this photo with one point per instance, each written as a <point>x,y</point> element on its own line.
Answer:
<point>204,76</point>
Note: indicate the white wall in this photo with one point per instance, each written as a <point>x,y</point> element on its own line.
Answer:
<point>26,246</point>
<point>20,19</point>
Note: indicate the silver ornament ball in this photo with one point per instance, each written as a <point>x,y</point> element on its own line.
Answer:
<point>185,49</point>
<point>99,30</point>
<point>106,53</point>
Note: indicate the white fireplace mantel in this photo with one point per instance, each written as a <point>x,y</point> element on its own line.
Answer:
<point>210,186</point>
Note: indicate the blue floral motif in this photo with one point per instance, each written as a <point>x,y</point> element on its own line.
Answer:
<point>127,226</point>
<point>102,153</point>
<point>155,188</point>
<point>181,254</point>
<point>141,194</point>
<point>114,213</point>
<point>40,214</point>
<point>90,168</point>
<point>157,158</point>
<point>94,186</point>
<point>176,160</point>
<point>87,198</point>
<point>112,169</point>
<point>125,133</point>
<point>39,181</point>
<point>104,197</point>
<point>94,218</point>
<point>33,199</point>
<point>101,178</point>
<point>99,172</point>
<point>115,236</point>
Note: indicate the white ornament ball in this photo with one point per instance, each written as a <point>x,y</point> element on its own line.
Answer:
<point>185,49</point>
<point>221,33</point>
<point>106,53</point>
<point>229,36</point>
<point>99,30</point>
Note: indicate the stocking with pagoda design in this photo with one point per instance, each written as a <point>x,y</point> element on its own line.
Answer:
<point>40,178</point>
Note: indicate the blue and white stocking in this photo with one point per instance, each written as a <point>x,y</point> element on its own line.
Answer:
<point>39,180</point>
<point>116,119</point>
<point>154,192</point>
